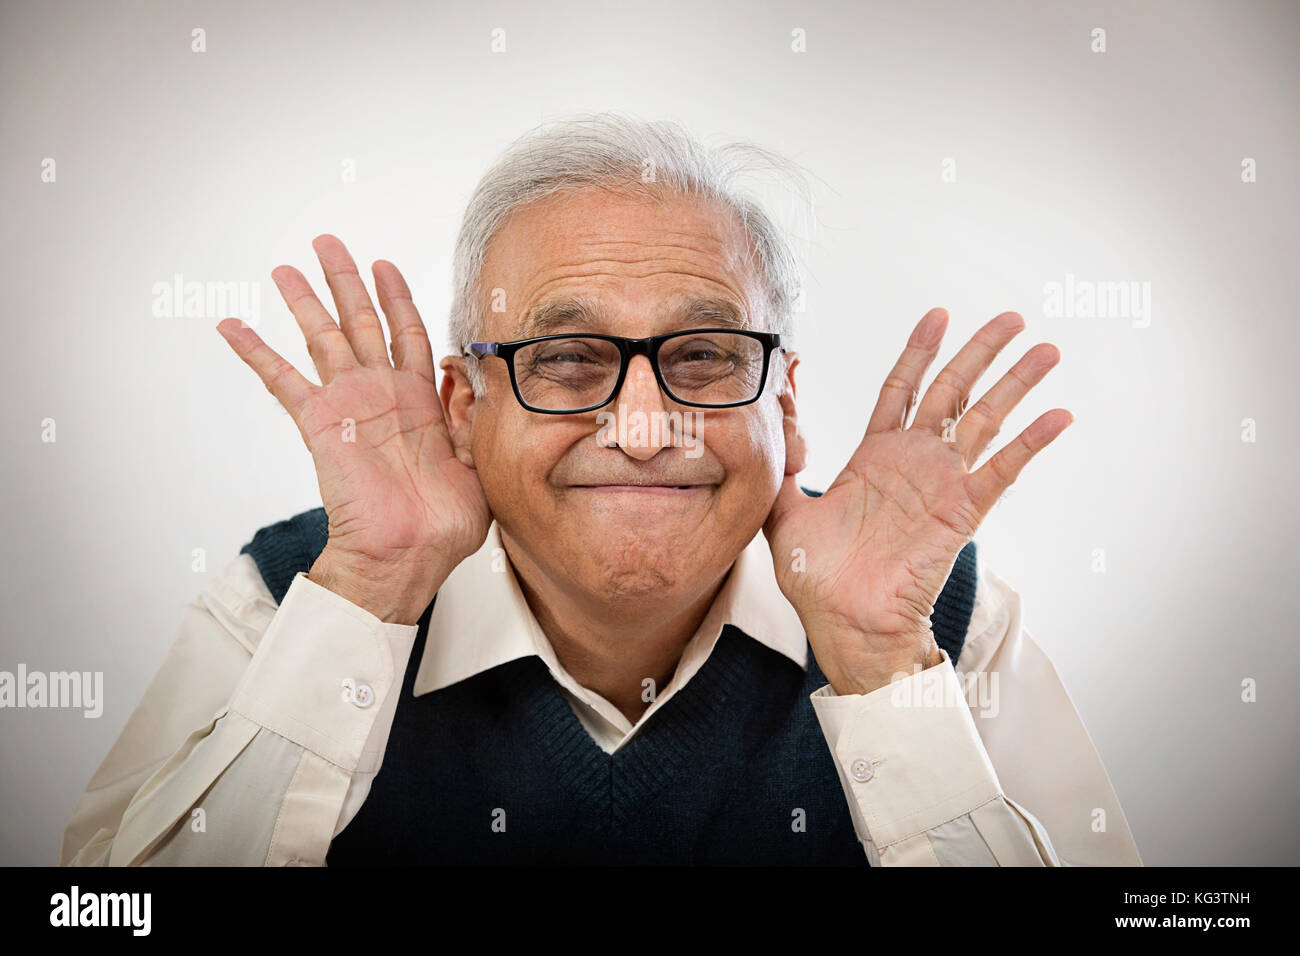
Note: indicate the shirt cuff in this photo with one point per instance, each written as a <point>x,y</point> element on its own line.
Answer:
<point>323,673</point>
<point>908,754</point>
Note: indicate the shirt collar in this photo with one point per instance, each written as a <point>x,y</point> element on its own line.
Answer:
<point>481,618</point>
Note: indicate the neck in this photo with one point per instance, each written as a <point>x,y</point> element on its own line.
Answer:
<point>613,648</point>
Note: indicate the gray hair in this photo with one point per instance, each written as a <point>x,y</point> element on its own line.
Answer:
<point>612,151</point>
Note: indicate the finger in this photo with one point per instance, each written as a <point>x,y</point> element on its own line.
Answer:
<point>981,423</point>
<point>948,394</point>
<point>410,340</point>
<point>326,344</point>
<point>281,379</point>
<point>991,481</point>
<point>357,313</point>
<point>900,389</point>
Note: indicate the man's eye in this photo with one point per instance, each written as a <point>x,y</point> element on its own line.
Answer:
<point>560,358</point>
<point>701,353</point>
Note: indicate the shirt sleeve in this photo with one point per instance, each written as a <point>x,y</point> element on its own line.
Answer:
<point>925,759</point>
<point>257,739</point>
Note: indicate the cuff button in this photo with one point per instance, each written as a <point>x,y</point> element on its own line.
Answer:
<point>357,693</point>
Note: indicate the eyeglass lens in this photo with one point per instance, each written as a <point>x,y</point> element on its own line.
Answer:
<point>713,368</point>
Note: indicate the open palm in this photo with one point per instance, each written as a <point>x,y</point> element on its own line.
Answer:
<point>390,481</point>
<point>864,563</point>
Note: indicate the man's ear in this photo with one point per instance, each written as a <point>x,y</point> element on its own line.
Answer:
<point>796,449</point>
<point>458,406</point>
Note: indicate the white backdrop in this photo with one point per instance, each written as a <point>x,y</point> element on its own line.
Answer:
<point>1122,166</point>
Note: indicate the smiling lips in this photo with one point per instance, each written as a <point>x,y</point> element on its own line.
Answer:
<point>644,489</point>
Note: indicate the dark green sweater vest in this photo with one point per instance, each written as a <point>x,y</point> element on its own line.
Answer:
<point>497,769</point>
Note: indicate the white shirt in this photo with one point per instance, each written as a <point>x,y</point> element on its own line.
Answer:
<point>258,738</point>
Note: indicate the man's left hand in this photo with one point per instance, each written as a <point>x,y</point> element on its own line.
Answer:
<point>864,563</point>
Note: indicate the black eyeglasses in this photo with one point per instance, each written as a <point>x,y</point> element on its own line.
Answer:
<point>565,374</point>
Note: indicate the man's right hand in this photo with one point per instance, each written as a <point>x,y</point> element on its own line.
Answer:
<point>403,509</point>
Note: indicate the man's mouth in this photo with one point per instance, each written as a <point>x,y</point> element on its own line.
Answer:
<point>644,489</point>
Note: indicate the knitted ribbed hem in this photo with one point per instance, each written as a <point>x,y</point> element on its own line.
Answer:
<point>283,549</point>
<point>956,603</point>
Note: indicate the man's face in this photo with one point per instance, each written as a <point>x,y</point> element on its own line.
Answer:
<point>606,521</point>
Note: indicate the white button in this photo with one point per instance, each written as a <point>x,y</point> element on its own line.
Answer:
<point>861,770</point>
<point>359,694</point>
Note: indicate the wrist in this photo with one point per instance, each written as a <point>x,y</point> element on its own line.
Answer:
<point>395,592</point>
<point>861,673</point>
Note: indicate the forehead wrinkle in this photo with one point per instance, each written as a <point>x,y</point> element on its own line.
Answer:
<point>640,267</point>
<point>586,313</point>
<point>704,243</point>
<point>714,251</point>
<point>546,276</point>
<point>723,275</point>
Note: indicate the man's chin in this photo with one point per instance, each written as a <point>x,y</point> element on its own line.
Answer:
<point>638,560</point>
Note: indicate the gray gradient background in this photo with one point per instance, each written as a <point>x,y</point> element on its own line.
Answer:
<point>1116,166</point>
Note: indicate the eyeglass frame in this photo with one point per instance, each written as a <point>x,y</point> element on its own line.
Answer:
<point>628,349</point>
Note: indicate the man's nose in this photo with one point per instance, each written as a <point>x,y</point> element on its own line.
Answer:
<point>641,393</point>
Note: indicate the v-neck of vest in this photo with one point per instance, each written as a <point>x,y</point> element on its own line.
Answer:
<point>669,741</point>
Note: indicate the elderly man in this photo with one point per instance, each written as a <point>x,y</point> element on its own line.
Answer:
<point>535,620</point>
